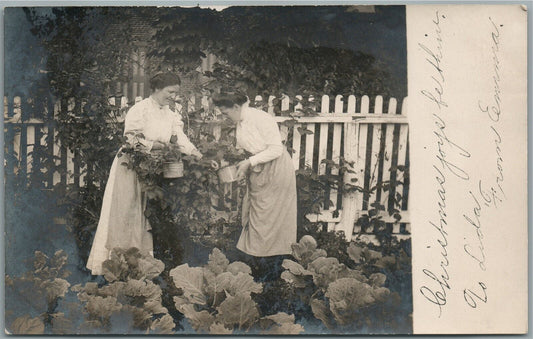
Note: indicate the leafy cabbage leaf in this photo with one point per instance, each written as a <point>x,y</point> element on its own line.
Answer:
<point>238,266</point>
<point>218,262</point>
<point>26,325</point>
<point>239,310</point>
<point>200,321</point>
<point>191,281</point>
<point>163,325</point>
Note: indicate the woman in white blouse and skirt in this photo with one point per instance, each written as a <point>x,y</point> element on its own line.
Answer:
<point>151,125</point>
<point>269,206</point>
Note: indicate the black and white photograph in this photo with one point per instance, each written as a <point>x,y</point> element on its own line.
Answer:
<point>235,170</point>
<point>243,170</point>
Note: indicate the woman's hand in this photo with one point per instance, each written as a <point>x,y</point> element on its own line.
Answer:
<point>158,145</point>
<point>242,168</point>
<point>214,164</point>
<point>195,153</point>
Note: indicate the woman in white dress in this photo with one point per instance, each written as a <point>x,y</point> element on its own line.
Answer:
<point>122,222</point>
<point>269,205</point>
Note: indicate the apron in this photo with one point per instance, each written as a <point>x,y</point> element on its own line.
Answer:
<point>269,209</point>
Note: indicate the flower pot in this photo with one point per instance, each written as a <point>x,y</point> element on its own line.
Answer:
<point>227,174</point>
<point>173,169</point>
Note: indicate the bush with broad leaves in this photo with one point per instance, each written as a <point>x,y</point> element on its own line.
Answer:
<point>130,299</point>
<point>343,298</point>
<point>217,299</point>
<point>38,293</point>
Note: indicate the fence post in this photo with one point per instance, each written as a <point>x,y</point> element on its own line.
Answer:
<point>349,199</point>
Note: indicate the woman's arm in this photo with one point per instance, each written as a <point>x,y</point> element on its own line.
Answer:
<point>272,152</point>
<point>185,145</point>
<point>269,132</point>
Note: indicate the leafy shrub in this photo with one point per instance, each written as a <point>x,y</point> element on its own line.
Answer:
<point>343,299</point>
<point>217,299</point>
<point>147,165</point>
<point>130,296</point>
<point>25,325</point>
<point>37,292</point>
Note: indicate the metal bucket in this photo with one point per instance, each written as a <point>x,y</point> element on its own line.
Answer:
<point>173,169</point>
<point>227,174</point>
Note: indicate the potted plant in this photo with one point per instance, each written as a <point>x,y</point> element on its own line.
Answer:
<point>231,157</point>
<point>227,174</point>
<point>150,164</point>
<point>172,163</point>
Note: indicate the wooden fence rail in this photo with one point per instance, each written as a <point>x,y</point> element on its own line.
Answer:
<point>373,137</point>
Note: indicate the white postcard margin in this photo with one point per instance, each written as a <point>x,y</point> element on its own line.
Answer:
<point>467,89</point>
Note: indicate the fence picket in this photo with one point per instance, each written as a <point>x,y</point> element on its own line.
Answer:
<point>125,93</point>
<point>323,142</point>
<point>336,147</point>
<point>30,147</point>
<point>376,151</point>
<point>309,145</point>
<point>38,147</point>
<point>71,104</point>
<point>83,175</point>
<point>270,107</point>
<point>296,146</point>
<point>6,109</point>
<point>284,107</point>
<point>10,103</point>
<point>350,199</point>
<point>298,107</point>
<point>23,153</point>
<point>17,110</point>
<point>10,165</point>
<point>324,107</point>
<point>43,147</point>
<point>351,104</point>
<point>70,167</point>
<point>378,105</point>
<point>402,149</point>
<point>17,132</point>
<point>296,139</point>
<point>134,90</point>
<point>57,148</point>
<point>387,156</point>
<point>360,160</point>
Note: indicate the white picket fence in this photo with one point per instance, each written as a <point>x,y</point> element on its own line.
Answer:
<point>374,138</point>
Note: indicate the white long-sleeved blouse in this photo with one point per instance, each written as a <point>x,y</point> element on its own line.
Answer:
<point>156,123</point>
<point>258,133</point>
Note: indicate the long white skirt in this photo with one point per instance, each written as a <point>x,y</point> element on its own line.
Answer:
<point>122,222</point>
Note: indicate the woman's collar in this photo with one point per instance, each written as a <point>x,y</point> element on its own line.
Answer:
<point>156,103</point>
<point>244,110</point>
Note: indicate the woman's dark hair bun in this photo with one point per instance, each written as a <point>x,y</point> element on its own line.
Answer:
<point>162,80</point>
<point>228,98</point>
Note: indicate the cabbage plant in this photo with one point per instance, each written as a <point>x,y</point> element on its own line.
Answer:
<point>342,296</point>
<point>217,299</point>
<point>129,302</point>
